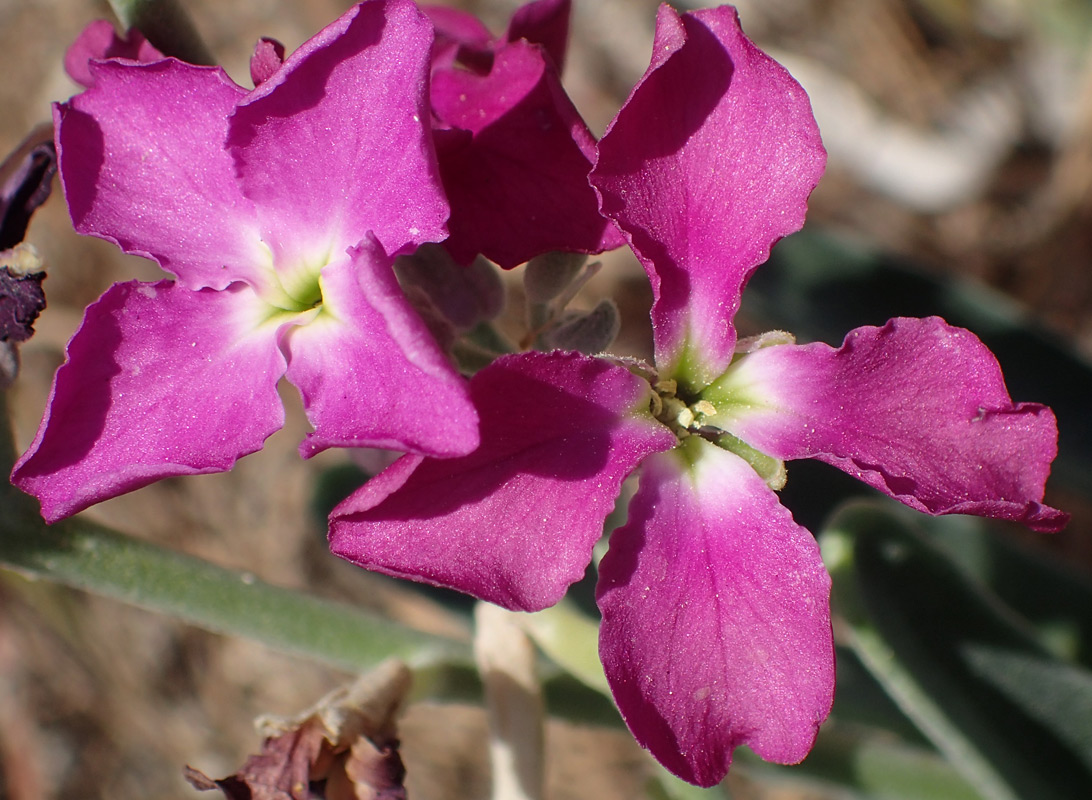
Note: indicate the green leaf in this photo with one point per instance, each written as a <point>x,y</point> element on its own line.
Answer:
<point>862,762</point>
<point>1052,594</point>
<point>86,556</point>
<point>78,553</point>
<point>1015,720</point>
<point>861,702</point>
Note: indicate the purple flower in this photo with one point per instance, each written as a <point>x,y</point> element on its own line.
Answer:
<point>716,622</point>
<point>279,211</point>
<point>514,154</point>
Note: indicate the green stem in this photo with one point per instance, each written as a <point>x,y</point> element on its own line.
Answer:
<point>166,25</point>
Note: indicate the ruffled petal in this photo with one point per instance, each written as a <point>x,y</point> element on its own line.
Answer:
<point>518,184</point>
<point>99,40</point>
<point>545,23</point>
<point>515,521</point>
<point>267,59</point>
<point>716,617</point>
<point>159,381</point>
<point>709,162</point>
<point>370,373</point>
<point>917,409</point>
<point>460,36</point>
<point>143,165</point>
<point>336,143</point>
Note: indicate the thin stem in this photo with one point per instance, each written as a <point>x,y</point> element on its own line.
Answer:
<point>507,663</point>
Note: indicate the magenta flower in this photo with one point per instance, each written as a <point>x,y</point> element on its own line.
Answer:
<point>716,622</point>
<point>279,212</point>
<point>514,153</point>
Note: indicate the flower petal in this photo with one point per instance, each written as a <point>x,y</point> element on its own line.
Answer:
<point>159,381</point>
<point>917,409</point>
<point>459,36</point>
<point>267,59</point>
<point>709,162</point>
<point>370,373</point>
<point>545,23</point>
<point>336,143</point>
<point>143,165</point>
<point>99,40</point>
<point>515,521</point>
<point>716,619</point>
<point>518,185</point>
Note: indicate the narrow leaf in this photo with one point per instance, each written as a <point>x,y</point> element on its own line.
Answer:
<point>944,648</point>
<point>83,555</point>
<point>87,556</point>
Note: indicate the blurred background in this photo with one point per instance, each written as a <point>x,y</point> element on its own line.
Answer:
<point>960,140</point>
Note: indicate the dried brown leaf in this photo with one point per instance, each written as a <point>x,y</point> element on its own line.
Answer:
<point>343,748</point>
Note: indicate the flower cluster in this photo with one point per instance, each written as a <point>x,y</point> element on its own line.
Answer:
<point>279,212</point>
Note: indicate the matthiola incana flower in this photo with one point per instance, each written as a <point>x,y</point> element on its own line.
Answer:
<point>514,153</point>
<point>716,622</point>
<point>279,212</point>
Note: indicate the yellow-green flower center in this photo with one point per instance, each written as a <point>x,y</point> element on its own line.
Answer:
<point>698,417</point>
<point>293,290</point>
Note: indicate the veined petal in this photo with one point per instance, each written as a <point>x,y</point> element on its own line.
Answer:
<point>159,381</point>
<point>370,373</point>
<point>515,521</point>
<point>709,162</point>
<point>336,143</point>
<point>917,409</point>
<point>518,185</point>
<point>716,617</point>
<point>143,165</point>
